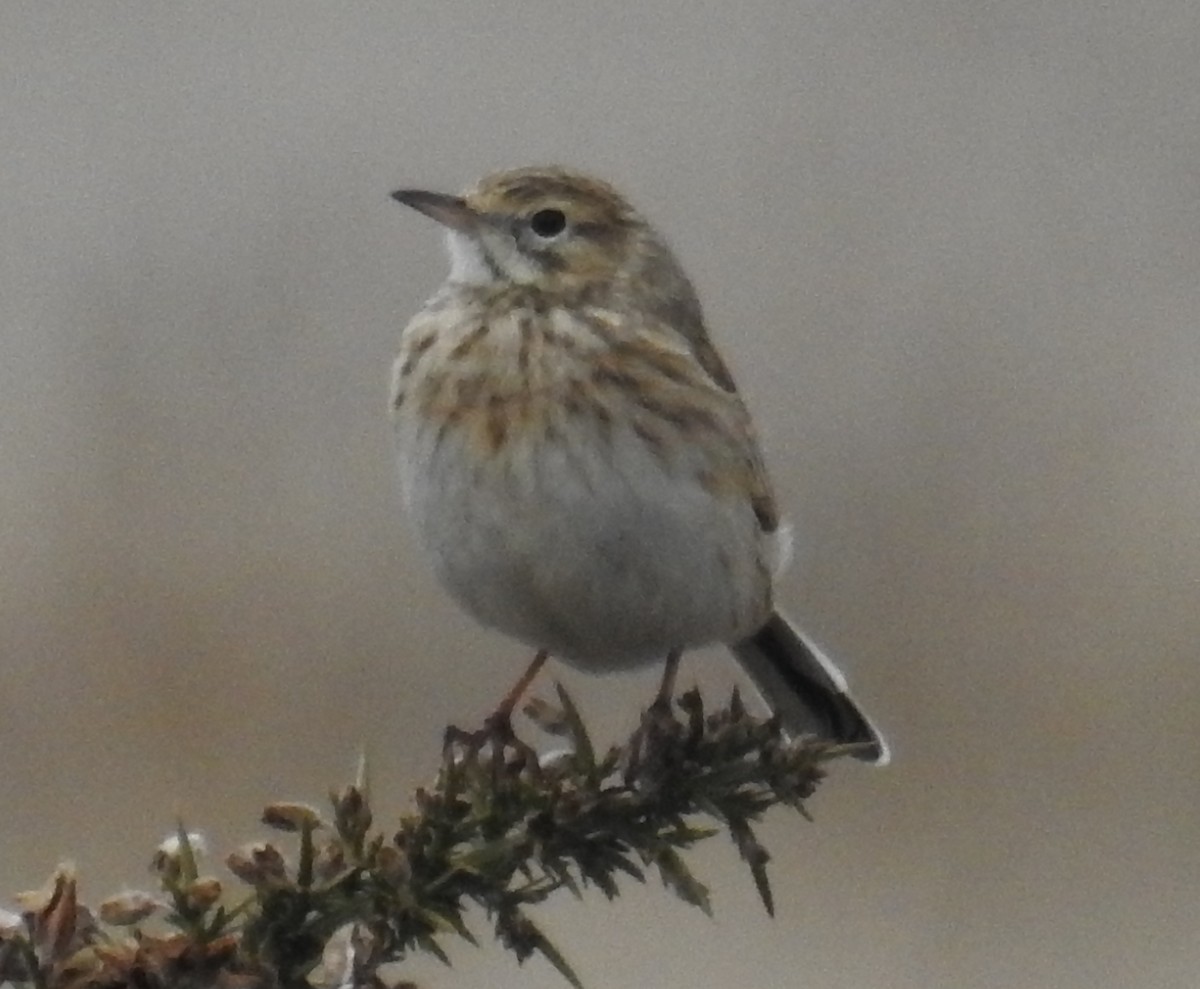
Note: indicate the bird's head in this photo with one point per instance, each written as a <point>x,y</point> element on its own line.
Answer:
<point>541,226</point>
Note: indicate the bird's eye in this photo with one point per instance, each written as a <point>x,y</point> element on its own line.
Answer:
<point>548,223</point>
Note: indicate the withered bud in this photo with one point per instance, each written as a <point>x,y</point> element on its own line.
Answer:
<point>259,864</point>
<point>203,892</point>
<point>127,908</point>
<point>36,901</point>
<point>290,816</point>
<point>57,921</point>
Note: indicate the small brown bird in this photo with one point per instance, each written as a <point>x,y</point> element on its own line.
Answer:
<point>576,459</point>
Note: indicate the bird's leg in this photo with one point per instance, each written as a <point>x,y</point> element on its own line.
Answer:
<point>500,720</point>
<point>497,729</point>
<point>499,724</point>
<point>666,689</point>
<point>655,720</point>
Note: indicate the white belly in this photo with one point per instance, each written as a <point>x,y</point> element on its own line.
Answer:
<point>600,551</point>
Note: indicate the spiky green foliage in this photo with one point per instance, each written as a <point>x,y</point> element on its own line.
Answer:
<point>499,829</point>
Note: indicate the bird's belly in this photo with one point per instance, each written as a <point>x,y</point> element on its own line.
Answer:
<point>599,550</point>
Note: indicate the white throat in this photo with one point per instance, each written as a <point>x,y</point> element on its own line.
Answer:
<point>502,260</point>
<point>467,263</point>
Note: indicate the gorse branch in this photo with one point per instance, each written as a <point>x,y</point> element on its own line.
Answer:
<point>499,828</point>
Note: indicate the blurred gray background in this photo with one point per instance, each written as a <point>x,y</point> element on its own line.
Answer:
<point>951,252</point>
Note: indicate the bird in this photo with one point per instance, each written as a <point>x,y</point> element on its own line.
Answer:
<point>575,458</point>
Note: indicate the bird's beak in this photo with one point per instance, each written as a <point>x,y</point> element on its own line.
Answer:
<point>449,211</point>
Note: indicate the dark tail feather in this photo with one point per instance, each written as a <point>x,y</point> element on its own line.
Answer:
<point>806,689</point>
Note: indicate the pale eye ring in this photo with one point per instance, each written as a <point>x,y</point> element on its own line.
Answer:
<point>548,223</point>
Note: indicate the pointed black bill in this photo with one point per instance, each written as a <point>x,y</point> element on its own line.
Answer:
<point>450,211</point>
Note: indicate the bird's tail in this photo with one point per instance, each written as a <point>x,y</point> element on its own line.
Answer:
<point>806,689</point>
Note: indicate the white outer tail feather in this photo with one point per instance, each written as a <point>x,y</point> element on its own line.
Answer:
<point>805,687</point>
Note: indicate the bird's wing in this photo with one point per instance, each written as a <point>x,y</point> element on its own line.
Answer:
<point>679,350</point>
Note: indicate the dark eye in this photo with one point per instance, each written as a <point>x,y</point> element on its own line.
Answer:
<point>548,222</point>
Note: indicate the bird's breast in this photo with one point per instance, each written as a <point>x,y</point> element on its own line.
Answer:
<point>545,455</point>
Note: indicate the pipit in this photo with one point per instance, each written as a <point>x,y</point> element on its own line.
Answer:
<point>576,460</point>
